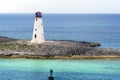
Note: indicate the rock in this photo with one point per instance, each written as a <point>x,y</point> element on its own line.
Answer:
<point>94,44</point>
<point>10,47</point>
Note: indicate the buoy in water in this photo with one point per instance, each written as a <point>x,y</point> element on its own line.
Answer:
<point>51,75</point>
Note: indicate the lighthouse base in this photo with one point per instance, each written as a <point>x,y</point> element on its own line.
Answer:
<point>37,42</point>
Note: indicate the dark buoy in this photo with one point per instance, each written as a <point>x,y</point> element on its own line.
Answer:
<point>51,75</point>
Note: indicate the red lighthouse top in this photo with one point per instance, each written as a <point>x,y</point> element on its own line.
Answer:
<point>38,14</point>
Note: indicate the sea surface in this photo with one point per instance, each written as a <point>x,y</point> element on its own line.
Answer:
<point>101,28</point>
<point>28,69</point>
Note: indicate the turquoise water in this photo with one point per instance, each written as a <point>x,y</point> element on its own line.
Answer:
<point>28,69</point>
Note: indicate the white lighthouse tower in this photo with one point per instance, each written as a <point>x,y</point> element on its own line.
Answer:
<point>38,33</point>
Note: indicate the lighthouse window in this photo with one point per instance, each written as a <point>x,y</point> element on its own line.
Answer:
<point>35,36</point>
<point>36,19</point>
<point>35,29</point>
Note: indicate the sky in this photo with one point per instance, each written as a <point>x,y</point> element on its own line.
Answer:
<point>60,6</point>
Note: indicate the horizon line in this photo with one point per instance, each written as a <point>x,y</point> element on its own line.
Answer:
<point>59,13</point>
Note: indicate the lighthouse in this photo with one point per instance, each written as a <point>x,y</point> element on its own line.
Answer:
<point>38,32</point>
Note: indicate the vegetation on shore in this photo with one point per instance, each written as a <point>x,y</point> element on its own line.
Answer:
<point>75,57</point>
<point>13,48</point>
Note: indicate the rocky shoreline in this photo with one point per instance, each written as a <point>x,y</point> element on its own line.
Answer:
<point>55,49</point>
